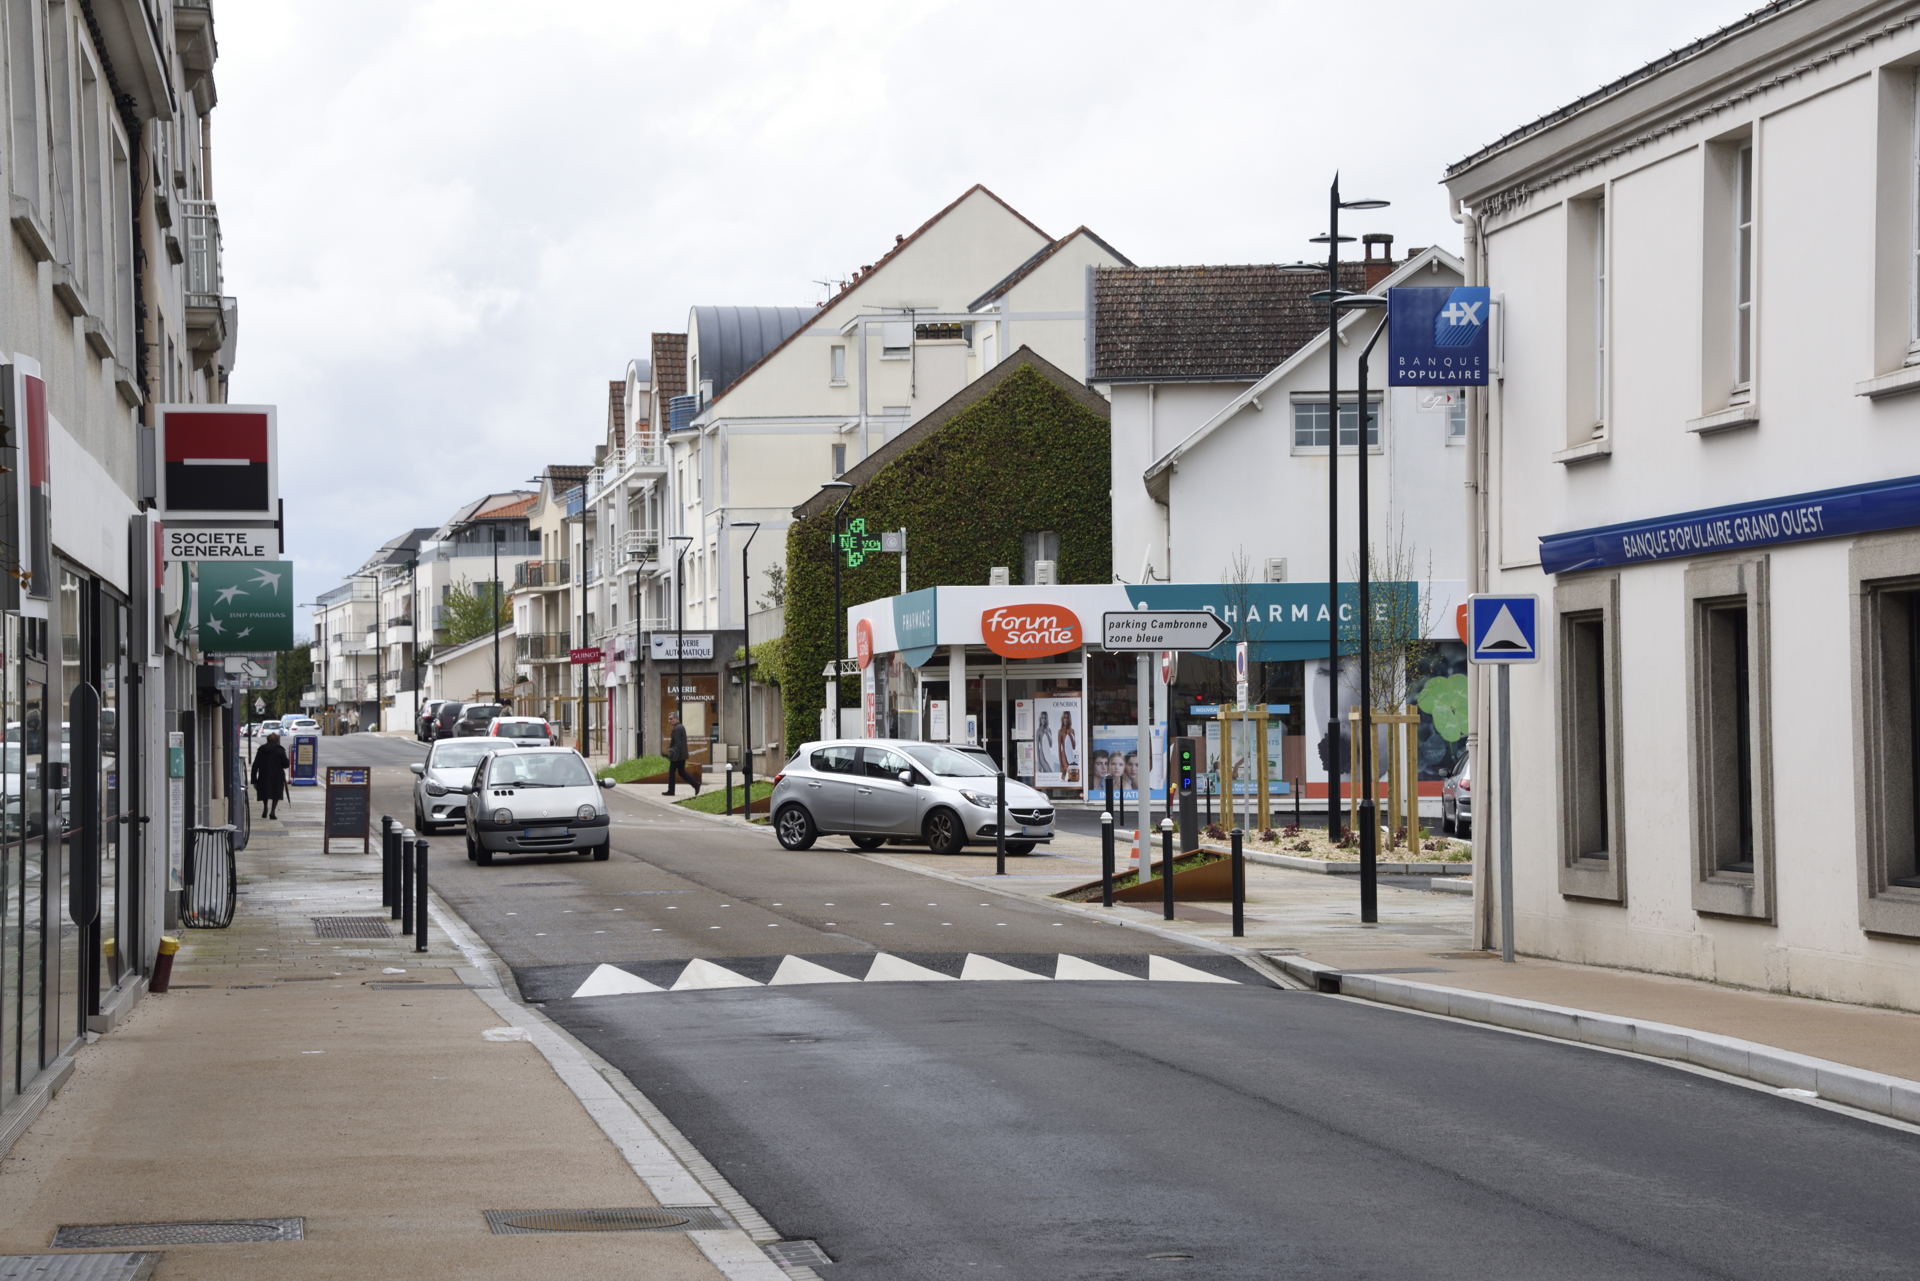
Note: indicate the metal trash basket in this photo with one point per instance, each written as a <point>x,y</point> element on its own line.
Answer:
<point>210,880</point>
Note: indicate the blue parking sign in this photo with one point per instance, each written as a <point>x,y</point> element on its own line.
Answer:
<point>1503,629</point>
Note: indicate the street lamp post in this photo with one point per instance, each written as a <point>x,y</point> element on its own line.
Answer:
<point>839,619</point>
<point>1369,822</point>
<point>493,536</point>
<point>1337,299</point>
<point>746,668</point>
<point>679,631</point>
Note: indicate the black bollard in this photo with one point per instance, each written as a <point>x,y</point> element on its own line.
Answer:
<point>1296,798</point>
<point>1000,825</point>
<point>1209,791</point>
<point>406,880</point>
<point>1123,800</point>
<point>1106,855</point>
<point>393,873</point>
<point>1166,866</point>
<point>729,789</point>
<point>386,860</point>
<point>1239,888</point>
<point>420,894</point>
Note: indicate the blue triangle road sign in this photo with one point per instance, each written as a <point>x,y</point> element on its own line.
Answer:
<point>1504,629</point>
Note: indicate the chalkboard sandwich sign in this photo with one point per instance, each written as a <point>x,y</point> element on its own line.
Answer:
<point>349,807</point>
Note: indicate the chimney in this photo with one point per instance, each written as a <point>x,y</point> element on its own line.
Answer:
<point>1378,268</point>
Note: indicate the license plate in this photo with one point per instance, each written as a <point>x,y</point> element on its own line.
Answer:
<point>534,833</point>
<point>1033,831</point>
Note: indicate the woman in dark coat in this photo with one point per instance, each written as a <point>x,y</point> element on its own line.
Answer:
<point>270,766</point>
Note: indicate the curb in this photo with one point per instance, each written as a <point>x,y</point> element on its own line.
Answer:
<point>1294,863</point>
<point>1854,1087</point>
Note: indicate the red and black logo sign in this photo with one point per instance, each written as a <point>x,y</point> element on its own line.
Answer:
<point>217,462</point>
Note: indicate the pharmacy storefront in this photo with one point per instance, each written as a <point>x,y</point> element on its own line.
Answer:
<point>1019,671</point>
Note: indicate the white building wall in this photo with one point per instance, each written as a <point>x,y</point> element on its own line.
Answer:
<point>1829,192</point>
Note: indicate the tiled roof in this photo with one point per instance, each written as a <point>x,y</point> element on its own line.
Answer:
<point>1027,268</point>
<point>520,508</point>
<point>1204,324</point>
<point>669,366</point>
<point>561,476</point>
<point>617,412</point>
<point>900,245</point>
<point>501,506</point>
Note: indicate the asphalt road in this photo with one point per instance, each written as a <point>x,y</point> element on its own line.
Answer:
<point>1052,1129</point>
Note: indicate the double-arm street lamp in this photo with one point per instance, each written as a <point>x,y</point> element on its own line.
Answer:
<point>746,668</point>
<point>1337,300</point>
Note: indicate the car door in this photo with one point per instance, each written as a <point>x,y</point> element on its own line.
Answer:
<point>829,787</point>
<point>882,804</point>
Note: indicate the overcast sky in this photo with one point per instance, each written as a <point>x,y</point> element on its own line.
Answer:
<point>450,223</point>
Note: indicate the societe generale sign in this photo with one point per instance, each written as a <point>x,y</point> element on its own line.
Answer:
<point>1030,631</point>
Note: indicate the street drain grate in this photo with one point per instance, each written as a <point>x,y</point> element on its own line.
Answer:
<point>96,1236</point>
<point>351,927</point>
<point>666,1219</point>
<point>78,1267</point>
<point>797,1254</point>
<point>535,885</point>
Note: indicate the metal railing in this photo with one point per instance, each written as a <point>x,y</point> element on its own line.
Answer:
<point>204,281</point>
<point>640,544</point>
<point>534,573</point>
<point>536,646</point>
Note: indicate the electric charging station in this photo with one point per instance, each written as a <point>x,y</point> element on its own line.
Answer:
<point>1186,774</point>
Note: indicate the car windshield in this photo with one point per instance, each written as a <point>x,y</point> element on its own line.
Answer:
<point>459,753</point>
<point>482,713</point>
<point>520,729</point>
<point>546,769</point>
<point>948,763</point>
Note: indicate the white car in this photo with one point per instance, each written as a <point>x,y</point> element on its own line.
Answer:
<point>439,794</point>
<point>535,800</point>
<point>300,725</point>
<point>523,731</point>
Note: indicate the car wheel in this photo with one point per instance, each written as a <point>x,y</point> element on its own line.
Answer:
<point>1018,848</point>
<point>603,851</point>
<point>794,826</point>
<point>483,856</point>
<point>869,842</point>
<point>473,851</point>
<point>1446,822</point>
<point>944,832</point>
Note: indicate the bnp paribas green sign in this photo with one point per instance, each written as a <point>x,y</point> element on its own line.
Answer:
<point>245,605</point>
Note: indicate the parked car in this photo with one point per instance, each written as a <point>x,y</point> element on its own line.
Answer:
<point>429,715</point>
<point>474,718</point>
<point>445,719</point>
<point>299,725</point>
<point>440,781</point>
<point>1456,799</point>
<point>873,790</point>
<point>535,800</point>
<point>526,731</point>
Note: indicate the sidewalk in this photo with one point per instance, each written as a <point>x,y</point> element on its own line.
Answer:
<point>352,1084</point>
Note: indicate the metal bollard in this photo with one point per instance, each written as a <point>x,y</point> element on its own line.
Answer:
<point>420,894</point>
<point>1166,866</point>
<point>1000,825</point>
<point>1106,856</point>
<point>1296,787</point>
<point>407,841</point>
<point>1239,888</point>
<point>386,860</point>
<point>393,872</point>
<point>729,789</point>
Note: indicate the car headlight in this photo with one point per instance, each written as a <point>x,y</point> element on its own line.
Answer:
<point>435,789</point>
<point>984,801</point>
<point>503,816</point>
<point>586,813</point>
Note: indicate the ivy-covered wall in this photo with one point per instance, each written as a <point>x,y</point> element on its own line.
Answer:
<point>1025,457</point>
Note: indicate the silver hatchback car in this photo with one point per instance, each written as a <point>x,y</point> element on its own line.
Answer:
<point>874,790</point>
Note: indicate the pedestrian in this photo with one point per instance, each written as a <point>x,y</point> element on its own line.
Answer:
<point>270,766</point>
<point>677,757</point>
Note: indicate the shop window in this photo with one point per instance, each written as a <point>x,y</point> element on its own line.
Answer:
<point>1886,647</point>
<point>1587,709</point>
<point>1731,782</point>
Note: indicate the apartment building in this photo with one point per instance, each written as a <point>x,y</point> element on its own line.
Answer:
<point>1701,451</point>
<point>545,621</point>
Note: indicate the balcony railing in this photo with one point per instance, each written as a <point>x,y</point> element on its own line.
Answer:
<point>680,412</point>
<point>203,253</point>
<point>539,646</point>
<point>640,544</point>
<point>535,573</point>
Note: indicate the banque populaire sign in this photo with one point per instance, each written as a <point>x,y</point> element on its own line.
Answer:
<point>1796,518</point>
<point>1030,631</point>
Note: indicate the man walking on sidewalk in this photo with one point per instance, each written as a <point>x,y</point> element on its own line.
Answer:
<point>677,757</point>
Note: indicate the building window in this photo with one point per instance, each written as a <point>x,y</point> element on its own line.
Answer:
<point>1037,547</point>
<point>839,461</point>
<point>1277,569</point>
<point>1913,221</point>
<point>1885,573</point>
<point>1586,319</point>
<point>1457,419</point>
<point>1310,423</point>
<point>1743,273</point>
<point>896,339</point>
<point>1728,686</point>
<point>839,366</point>
<point>1587,713</point>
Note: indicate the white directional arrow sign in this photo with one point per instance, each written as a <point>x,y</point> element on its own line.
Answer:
<point>1189,629</point>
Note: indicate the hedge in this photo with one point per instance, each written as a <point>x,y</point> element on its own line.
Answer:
<point>1024,458</point>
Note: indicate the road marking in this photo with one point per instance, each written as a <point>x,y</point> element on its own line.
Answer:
<point>1165,969</point>
<point>891,969</point>
<point>608,981</point>
<point>983,967</point>
<point>1073,968</point>
<point>702,975</point>
<point>795,970</point>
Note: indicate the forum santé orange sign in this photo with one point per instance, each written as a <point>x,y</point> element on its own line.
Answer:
<point>1030,631</point>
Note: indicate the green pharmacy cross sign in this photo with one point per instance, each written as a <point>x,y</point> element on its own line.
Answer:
<point>856,544</point>
<point>245,606</point>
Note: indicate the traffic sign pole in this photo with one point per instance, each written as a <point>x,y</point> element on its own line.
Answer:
<point>1502,631</point>
<point>1506,820</point>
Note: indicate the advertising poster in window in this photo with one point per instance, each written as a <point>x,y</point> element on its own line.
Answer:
<point>1058,748</point>
<point>1115,755</point>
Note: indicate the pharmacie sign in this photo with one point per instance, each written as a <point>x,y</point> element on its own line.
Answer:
<point>1795,518</point>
